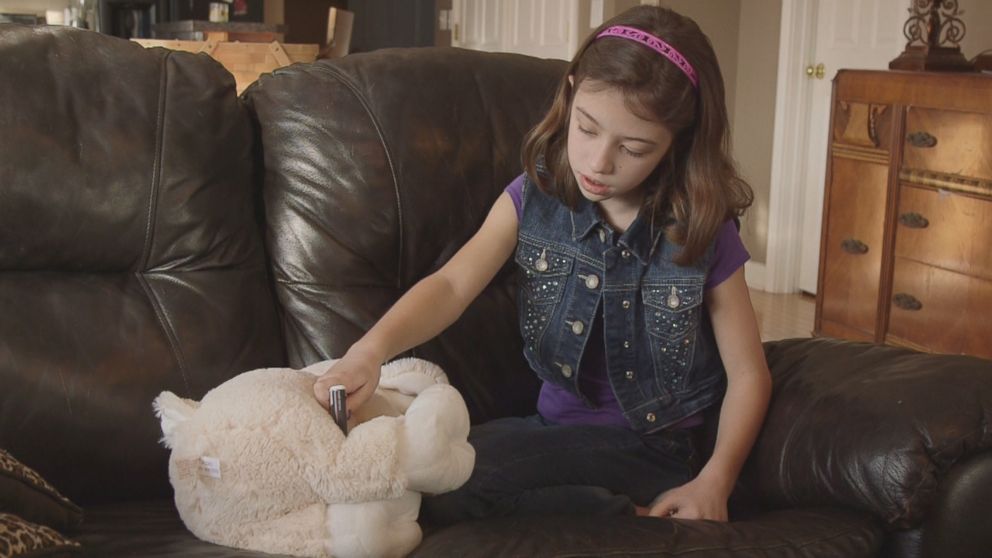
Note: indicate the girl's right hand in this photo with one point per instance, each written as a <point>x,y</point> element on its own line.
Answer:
<point>358,372</point>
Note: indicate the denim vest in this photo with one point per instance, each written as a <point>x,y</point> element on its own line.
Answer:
<point>661,354</point>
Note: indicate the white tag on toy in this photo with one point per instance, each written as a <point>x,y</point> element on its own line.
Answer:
<point>210,466</point>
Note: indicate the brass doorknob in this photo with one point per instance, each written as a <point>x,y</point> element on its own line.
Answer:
<point>817,71</point>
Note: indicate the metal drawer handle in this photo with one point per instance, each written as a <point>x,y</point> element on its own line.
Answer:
<point>907,302</point>
<point>854,246</point>
<point>914,220</point>
<point>921,139</point>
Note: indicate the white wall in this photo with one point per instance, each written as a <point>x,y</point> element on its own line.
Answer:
<point>720,21</point>
<point>754,113</point>
<point>978,22</point>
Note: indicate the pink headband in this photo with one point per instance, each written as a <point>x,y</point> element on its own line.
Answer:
<point>649,40</point>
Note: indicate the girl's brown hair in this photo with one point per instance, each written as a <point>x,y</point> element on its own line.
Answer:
<point>695,187</point>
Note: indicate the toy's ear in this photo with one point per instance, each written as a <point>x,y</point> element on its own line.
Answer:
<point>173,410</point>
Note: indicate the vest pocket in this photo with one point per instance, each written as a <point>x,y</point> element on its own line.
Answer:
<point>543,275</point>
<point>671,309</point>
<point>671,315</point>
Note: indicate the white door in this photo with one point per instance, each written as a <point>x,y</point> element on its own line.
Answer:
<point>542,28</point>
<point>856,34</point>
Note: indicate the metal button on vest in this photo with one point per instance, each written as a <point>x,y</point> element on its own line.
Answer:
<point>650,417</point>
<point>629,374</point>
<point>566,371</point>
<point>625,254</point>
<point>626,344</point>
<point>578,327</point>
<point>625,304</point>
<point>602,235</point>
<point>542,261</point>
<point>592,281</point>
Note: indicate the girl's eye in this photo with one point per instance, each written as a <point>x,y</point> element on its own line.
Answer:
<point>632,153</point>
<point>586,132</point>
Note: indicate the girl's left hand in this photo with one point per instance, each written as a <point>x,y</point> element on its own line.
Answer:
<point>696,499</point>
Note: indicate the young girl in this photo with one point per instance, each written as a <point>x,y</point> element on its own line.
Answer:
<point>633,305</point>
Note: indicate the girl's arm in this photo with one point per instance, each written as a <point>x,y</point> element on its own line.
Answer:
<point>428,308</point>
<point>743,410</point>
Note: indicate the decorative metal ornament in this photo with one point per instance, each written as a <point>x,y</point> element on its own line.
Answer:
<point>934,23</point>
<point>933,34</point>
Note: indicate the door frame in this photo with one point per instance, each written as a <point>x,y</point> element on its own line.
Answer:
<point>787,191</point>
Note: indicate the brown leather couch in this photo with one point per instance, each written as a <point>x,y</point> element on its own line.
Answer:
<point>156,232</point>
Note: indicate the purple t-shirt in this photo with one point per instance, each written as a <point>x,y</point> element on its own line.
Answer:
<point>560,405</point>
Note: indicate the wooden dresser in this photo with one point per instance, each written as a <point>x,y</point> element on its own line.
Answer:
<point>906,248</point>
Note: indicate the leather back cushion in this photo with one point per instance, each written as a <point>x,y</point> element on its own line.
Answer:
<point>379,167</point>
<point>131,258</point>
<point>867,426</point>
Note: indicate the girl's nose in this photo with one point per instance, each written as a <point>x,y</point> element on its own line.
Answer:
<point>602,159</point>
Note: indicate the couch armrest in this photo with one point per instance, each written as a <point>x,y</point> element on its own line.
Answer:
<point>959,522</point>
<point>867,426</point>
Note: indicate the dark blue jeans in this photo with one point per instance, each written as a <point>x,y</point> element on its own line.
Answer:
<point>530,466</point>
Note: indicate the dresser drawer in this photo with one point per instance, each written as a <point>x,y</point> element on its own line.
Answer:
<point>943,311</point>
<point>852,258</point>
<point>862,125</point>
<point>945,229</point>
<point>950,142</point>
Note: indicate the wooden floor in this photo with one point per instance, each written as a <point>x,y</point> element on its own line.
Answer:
<point>781,316</point>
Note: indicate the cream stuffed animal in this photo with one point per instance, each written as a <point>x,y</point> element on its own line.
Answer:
<point>259,464</point>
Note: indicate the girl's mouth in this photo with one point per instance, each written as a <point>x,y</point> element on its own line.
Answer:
<point>593,187</point>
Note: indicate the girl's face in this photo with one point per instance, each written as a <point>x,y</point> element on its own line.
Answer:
<point>611,150</point>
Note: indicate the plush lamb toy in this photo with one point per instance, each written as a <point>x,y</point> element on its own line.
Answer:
<point>259,464</point>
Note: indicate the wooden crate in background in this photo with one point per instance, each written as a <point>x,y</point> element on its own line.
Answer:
<point>246,61</point>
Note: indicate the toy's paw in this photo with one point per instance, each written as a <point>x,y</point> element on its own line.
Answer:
<point>411,376</point>
<point>434,451</point>
<point>381,528</point>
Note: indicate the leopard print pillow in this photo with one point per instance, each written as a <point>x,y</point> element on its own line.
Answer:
<point>25,493</point>
<point>23,538</point>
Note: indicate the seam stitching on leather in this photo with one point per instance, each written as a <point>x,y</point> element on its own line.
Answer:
<point>163,319</point>
<point>347,82</point>
<point>156,162</point>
